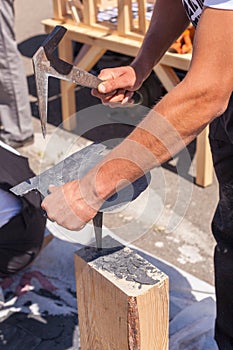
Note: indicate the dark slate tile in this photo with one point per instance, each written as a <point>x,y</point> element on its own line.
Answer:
<point>15,338</point>
<point>48,332</point>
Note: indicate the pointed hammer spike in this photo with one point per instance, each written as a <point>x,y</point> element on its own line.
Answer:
<point>53,39</point>
<point>41,78</point>
<point>42,104</point>
<point>98,222</point>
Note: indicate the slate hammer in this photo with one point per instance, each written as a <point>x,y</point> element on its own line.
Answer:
<point>71,168</point>
<point>75,167</point>
<point>47,64</point>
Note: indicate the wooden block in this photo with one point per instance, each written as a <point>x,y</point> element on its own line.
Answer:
<point>177,60</point>
<point>59,9</point>
<point>122,300</point>
<point>142,23</point>
<point>76,9</point>
<point>88,56</point>
<point>89,12</point>
<point>98,37</point>
<point>123,20</point>
<point>67,88</point>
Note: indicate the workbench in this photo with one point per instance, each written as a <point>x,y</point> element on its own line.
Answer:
<point>126,39</point>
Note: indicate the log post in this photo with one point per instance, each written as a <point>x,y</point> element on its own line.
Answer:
<point>122,300</point>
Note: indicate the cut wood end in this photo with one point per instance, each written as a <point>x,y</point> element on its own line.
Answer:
<point>123,266</point>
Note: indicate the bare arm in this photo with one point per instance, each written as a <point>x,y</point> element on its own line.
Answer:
<point>160,35</point>
<point>178,118</point>
<point>174,122</point>
<point>168,21</point>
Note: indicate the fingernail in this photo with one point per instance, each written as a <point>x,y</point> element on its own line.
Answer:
<point>101,88</point>
<point>125,100</point>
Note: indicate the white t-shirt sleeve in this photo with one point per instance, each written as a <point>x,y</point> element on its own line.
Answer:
<point>219,4</point>
<point>10,206</point>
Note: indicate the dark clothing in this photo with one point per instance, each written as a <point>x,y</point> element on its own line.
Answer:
<point>15,111</point>
<point>21,238</point>
<point>193,9</point>
<point>221,141</point>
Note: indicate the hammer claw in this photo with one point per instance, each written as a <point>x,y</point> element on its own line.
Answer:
<point>42,91</point>
<point>47,64</point>
<point>53,39</point>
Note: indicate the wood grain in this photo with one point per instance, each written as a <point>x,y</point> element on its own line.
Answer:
<point>120,307</point>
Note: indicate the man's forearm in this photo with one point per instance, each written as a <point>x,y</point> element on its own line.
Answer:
<point>160,35</point>
<point>173,123</point>
<point>176,120</point>
<point>156,139</point>
<point>119,82</point>
<point>181,115</point>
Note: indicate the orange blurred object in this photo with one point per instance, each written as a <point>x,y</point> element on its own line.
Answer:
<point>184,43</point>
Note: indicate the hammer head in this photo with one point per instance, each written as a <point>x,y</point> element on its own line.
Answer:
<point>52,41</point>
<point>41,64</point>
<point>47,64</point>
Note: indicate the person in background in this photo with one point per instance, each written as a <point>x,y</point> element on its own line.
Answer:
<point>22,221</point>
<point>204,97</point>
<point>16,127</point>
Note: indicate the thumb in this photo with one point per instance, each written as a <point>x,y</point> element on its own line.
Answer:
<point>117,78</point>
<point>111,86</point>
<point>112,80</point>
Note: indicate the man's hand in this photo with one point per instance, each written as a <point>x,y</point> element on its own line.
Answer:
<point>118,86</point>
<point>67,206</point>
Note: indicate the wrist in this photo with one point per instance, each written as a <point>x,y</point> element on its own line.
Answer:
<point>100,183</point>
<point>92,198</point>
<point>78,197</point>
<point>142,71</point>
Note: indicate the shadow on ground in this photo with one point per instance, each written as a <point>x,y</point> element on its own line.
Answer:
<point>23,331</point>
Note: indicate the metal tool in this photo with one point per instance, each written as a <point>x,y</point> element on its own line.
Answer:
<point>98,224</point>
<point>75,167</point>
<point>47,64</point>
